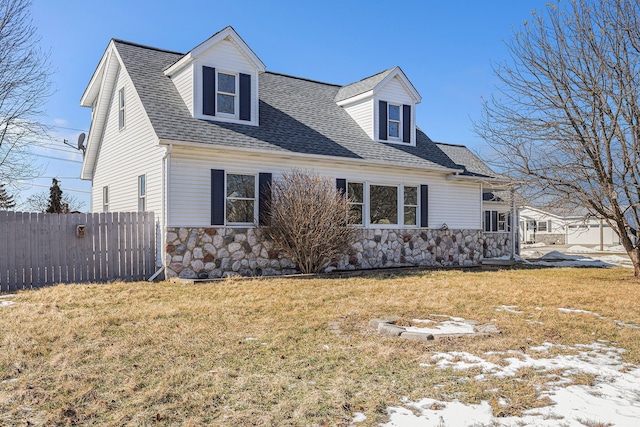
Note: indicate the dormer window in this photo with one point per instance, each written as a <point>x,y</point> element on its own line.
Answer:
<point>395,123</point>
<point>226,94</point>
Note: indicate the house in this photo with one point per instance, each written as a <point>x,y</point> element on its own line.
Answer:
<point>197,137</point>
<point>554,226</point>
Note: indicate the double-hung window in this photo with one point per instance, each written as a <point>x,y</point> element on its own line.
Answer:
<point>121,108</point>
<point>495,221</point>
<point>142,193</point>
<point>226,96</point>
<point>544,226</point>
<point>394,127</point>
<point>410,205</point>
<point>355,193</point>
<point>241,198</point>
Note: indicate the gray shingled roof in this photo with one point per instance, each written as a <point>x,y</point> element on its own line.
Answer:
<point>296,115</point>
<point>462,156</point>
<point>362,86</point>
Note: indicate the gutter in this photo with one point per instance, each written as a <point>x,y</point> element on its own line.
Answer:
<point>319,157</point>
<point>160,263</point>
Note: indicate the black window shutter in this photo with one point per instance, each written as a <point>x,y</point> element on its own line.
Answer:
<point>264,198</point>
<point>382,120</point>
<point>209,91</point>
<point>494,220</point>
<point>245,97</point>
<point>487,220</point>
<point>424,206</point>
<point>406,123</point>
<point>341,185</point>
<point>217,197</point>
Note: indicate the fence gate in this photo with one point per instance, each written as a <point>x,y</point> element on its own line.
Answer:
<point>39,249</point>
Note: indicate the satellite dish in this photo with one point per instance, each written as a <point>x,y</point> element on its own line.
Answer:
<point>81,142</point>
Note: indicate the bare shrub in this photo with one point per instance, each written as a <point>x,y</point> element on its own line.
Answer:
<point>309,220</point>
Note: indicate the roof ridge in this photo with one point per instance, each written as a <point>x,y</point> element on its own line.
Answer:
<point>146,46</point>
<point>302,78</point>
<point>373,75</point>
<point>451,144</point>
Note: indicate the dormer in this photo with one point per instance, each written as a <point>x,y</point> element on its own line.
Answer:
<point>218,79</point>
<point>383,105</point>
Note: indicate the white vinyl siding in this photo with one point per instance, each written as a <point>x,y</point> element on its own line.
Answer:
<point>125,155</point>
<point>184,83</point>
<point>394,92</point>
<point>225,57</point>
<point>456,203</point>
<point>362,113</point>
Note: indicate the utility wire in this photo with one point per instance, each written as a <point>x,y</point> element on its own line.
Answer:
<point>62,127</point>
<point>56,158</point>
<point>66,189</point>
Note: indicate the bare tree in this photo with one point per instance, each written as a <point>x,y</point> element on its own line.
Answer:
<point>308,220</point>
<point>566,120</point>
<point>24,87</point>
<point>39,202</point>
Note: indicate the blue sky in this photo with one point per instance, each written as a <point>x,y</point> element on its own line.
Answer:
<point>445,48</point>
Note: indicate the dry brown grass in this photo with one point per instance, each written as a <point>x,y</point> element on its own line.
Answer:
<point>261,352</point>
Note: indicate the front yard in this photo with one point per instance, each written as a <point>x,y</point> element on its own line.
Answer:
<point>301,352</point>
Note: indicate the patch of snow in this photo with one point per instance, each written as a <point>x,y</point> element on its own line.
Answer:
<point>573,310</point>
<point>507,257</point>
<point>8,296</point>
<point>325,347</point>
<point>612,400</point>
<point>251,339</point>
<point>533,245</point>
<point>455,319</point>
<point>509,308</point>
<point>358,417</point>
<point>531,254</point>
<point>10,380</point>
<point>626,325</point>
<point>614,259</point>
<point>6,303</point>
<point>616,248</point>
<point>457,326</point>
<point>534,322</point>
<point>577,249</point>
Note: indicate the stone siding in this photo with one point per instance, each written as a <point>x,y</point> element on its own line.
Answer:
<point>215,252</point>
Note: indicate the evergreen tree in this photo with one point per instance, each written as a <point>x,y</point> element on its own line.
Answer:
<point>55,198</point>
<point>6,199</point>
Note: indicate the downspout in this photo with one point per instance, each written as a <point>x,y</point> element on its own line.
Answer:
<point>163,220</point>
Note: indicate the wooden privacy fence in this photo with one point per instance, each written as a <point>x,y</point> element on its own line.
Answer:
<point>39,249</point>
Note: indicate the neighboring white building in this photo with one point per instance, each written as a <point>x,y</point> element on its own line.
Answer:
<point>198,137</point>
<point>559,227</point>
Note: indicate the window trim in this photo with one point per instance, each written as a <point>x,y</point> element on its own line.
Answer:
<point>390,120</point>
<point>105,198</point>
<point>236,95</point>
<point>142,193</point>
<point>122,106</point>
<point>255,198</point>
<point>489,227</point>
<point>362,204</point>
<point>416,206</point>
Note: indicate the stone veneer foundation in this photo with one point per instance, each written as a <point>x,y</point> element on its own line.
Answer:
<point>208,253</point>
